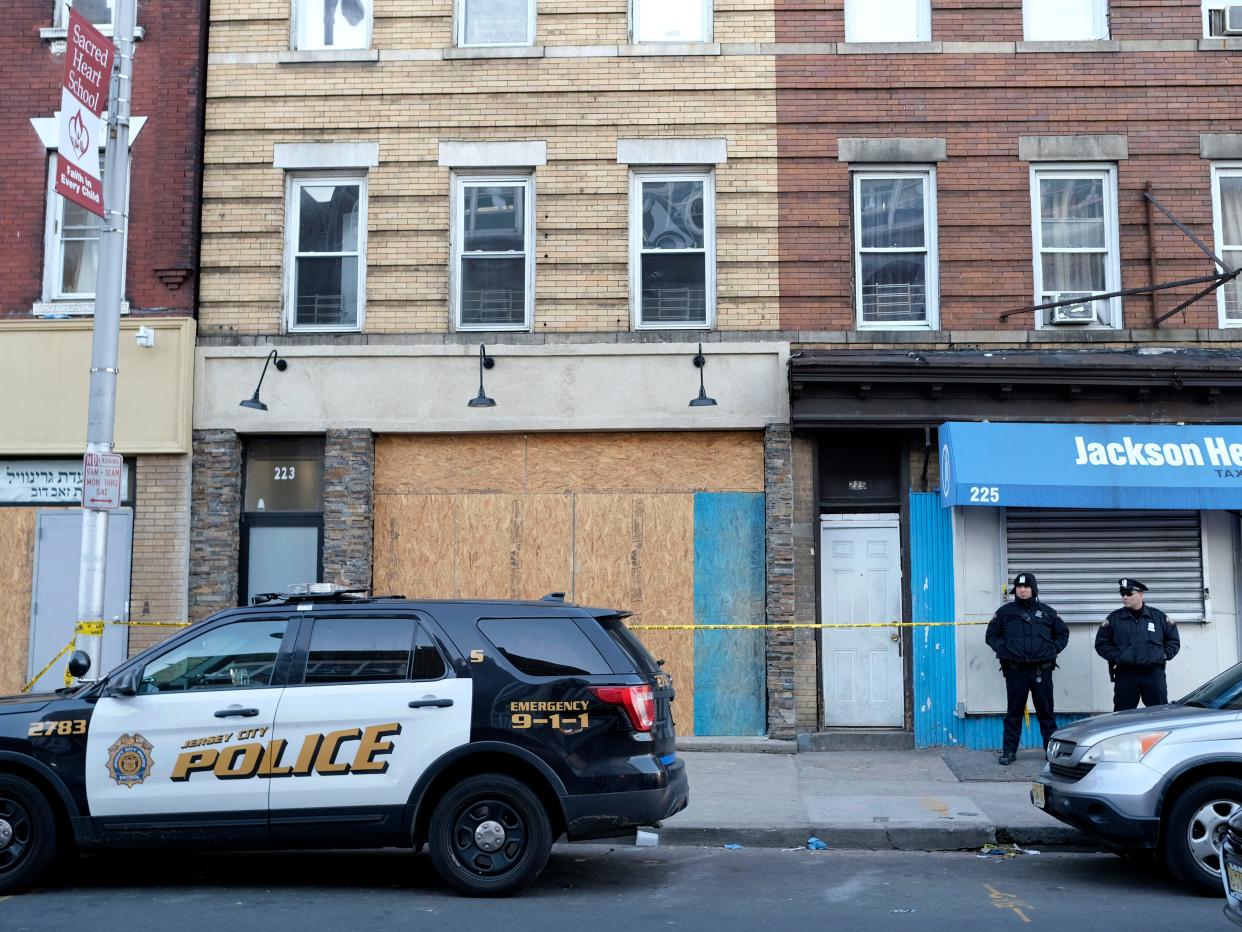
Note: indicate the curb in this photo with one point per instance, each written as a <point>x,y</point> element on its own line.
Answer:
<point>889,838</point>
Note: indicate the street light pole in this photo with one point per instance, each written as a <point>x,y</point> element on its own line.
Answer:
<point>109,286</point>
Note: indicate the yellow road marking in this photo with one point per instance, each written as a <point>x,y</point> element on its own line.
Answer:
<point>1008,901</point>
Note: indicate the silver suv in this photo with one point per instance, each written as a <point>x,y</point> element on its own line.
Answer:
<point>1164,779</point>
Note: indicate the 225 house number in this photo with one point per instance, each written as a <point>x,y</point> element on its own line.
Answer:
<point>284,473</point>
<point>985,493</point>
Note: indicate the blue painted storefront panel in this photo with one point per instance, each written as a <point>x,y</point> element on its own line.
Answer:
<point>1091,465</point>
<point>729,590</point>
<point>935,649</point>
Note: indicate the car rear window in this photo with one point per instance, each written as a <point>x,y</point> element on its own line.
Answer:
<point>544,646</point>
<point>345,650</point>
<point>630,645</point>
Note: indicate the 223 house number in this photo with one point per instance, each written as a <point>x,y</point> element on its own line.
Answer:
<point>284,473</point>
<point>65,726</point>
<point>988,494</point>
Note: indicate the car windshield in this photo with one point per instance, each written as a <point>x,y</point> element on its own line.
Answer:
<point>1222,692</point>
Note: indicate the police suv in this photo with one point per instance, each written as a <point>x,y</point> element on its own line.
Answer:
<point>327,718</point>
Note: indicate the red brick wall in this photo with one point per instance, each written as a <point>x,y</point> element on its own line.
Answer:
<point>982,103</point>
<point>165,157</point>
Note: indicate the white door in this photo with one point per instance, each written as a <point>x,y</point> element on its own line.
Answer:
<point>377,705</point>
<point>860,566</point>
<point>194,740</point>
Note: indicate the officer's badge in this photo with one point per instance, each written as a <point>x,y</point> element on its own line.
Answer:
<point>129,760</point>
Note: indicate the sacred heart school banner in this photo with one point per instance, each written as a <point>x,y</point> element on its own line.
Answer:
<point>83,99</point>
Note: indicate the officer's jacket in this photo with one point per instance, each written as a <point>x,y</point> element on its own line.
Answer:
<point>1030,633</point>
<point>1147,641</point>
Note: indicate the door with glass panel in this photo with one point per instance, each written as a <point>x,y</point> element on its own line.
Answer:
<point>282,523</point>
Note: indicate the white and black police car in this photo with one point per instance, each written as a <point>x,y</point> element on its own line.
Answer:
<point>326,718</point>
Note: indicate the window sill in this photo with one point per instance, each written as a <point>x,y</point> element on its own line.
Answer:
<point>60,33</point>
<point>1090,45</point>
<point>493,51</point>
<point>493,328</point>
<point>697,325</point>
<point>888,48</point>
<point>1221,44</point>
<point>670,48</point>
<point>326,56</point>
<point>57,309</point>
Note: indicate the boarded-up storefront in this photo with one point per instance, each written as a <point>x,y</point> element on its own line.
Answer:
<point>668,525</point>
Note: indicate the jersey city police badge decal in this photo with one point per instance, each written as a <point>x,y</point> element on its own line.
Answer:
<point>129,760</point>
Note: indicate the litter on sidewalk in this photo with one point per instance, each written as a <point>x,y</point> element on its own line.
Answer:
<point>1003,852</point>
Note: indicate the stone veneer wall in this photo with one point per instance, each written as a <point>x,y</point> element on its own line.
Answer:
<point>215,513</point>
<point>158,580</point>
<point>348,489</point>
<point>805,544</point>
<point>780,647</point>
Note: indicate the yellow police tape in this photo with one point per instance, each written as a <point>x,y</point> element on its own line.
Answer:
<point>784,627</point>
<point>96,628</point>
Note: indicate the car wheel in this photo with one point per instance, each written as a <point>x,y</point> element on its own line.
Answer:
<point>490,836</point>
<point>1195,829</point>
<point>28,839</point>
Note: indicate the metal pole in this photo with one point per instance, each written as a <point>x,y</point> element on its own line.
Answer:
<point>110,283</point>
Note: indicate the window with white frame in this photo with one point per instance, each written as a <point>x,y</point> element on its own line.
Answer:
<point>1217,18</point>
<point>1064,20</point>
<point>493,262</point>
<point>673,249</point>
<point>672,20</point>
<point>1075,243</point>
<point>1227,204</point>
<point>331,24</point>
<point>325,252</point>
<point>895,264</point>
<point>892,21</point>
<point>71,251</point>
<point>495,22</point>
<point>98,12</point>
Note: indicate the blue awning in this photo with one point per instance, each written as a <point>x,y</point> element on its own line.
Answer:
<point>1091,465</point>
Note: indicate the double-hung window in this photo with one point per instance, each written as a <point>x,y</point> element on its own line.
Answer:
<point>1064,20</point>
<point>98,12</point>
<point>495,22</point>
<point>895,263</point>
<point>325,252</point>
<point>331,24</point>
<point>895,21</point>
<point>672,20</point>
<point>673,250</point>
<point>1075,242</point>
<point>1227,204</point>
<point>493,264</point>
<point>72,247</point>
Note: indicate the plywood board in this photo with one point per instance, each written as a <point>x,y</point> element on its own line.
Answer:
<point>544,546</point>
<point>17,526</point>
<point>414,546</point>
<point>666,577</point>
<point>485,546</point>
<point>425,464</point>
<point>605,552</point>
<point>658,461</point>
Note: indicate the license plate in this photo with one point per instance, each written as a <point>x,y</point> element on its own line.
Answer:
<point>1234,873</point>
<point>1037,794</point>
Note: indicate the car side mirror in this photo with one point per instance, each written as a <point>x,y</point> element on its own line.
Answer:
<point>79,664</point>
<point>126,684</point>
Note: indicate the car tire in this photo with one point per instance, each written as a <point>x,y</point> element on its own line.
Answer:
<point>490,836</point>
<point>1193,831</point>
<point>28,839</point>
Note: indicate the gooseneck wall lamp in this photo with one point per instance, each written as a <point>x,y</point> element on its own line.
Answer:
<point>702,401</point>
<point>253,401</point>
<point>481,400</point>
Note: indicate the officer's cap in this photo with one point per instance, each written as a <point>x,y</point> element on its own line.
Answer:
<point>1132,584</point>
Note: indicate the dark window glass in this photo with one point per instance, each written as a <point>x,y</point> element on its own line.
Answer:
<point>236,656</point>
<point>362,650</point>
<point>630,645</point>
<point>544,646</point>
<point>428,664</point>
<point>284,473</point>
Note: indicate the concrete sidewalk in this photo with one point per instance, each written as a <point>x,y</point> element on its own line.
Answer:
<point>917,800</point>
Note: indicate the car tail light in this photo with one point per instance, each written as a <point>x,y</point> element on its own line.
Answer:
<point>638,702</point>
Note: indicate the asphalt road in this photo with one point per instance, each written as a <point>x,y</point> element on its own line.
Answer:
<point>600,888</point>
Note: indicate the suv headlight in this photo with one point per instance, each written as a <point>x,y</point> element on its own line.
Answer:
<point>1124,749</point>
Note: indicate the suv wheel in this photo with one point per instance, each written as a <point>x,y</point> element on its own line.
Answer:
<point>28,839</point>
<point>490,836</point>
<point>1195,829</point>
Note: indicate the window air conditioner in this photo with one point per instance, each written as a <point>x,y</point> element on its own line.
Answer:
<point>1080,313</point>
<point>1233,20</point>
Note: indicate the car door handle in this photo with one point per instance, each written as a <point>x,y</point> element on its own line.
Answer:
<point>431,703</point>
<point>243,713</point>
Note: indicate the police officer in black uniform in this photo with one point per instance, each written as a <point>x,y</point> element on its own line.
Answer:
<point>1027,635</point>
<point>1137,641</point>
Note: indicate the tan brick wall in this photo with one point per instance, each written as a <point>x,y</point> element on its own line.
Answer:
<point>158,578</point>
<point>579,106</point>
